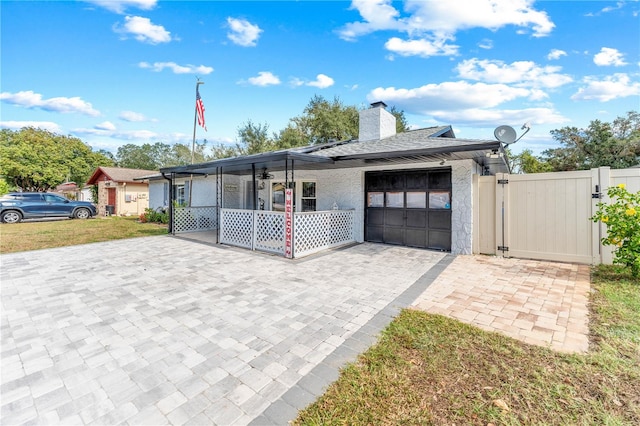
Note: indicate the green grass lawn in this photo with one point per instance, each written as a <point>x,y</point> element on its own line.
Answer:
<point>59,233</point>
<point>429,369</point>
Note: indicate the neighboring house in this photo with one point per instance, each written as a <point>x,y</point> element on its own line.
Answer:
<point>412,188</point>
<point>118,191</point>
<point>71,191</point>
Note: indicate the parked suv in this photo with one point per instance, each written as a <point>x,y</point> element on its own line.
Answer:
<point>16,206</point>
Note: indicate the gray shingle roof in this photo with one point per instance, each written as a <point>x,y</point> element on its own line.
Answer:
<point>410,141</point>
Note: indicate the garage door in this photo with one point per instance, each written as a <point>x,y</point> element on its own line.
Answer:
<point>409,208</point>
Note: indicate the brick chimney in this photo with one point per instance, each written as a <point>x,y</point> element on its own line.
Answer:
<point>376,123</point>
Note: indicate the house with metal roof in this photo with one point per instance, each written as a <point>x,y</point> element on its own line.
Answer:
<point>413,189</point>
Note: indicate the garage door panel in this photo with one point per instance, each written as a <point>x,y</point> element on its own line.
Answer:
<point>416,237</point>
<point>394,235</point>
<point>394,217</point>
<point>416,218</point>
<point>439,240</point>
<point>375,234</point>
<point>440,220</point>
<point>375,217</point>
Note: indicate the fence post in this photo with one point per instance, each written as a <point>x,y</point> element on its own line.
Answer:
<point>606,252</point>
<point>502,214</point>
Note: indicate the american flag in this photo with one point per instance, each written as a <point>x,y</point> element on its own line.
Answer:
<point>200,110</point>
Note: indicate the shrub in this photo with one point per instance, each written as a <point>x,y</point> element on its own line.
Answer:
<point>622,218</point>
<point>153,216</point>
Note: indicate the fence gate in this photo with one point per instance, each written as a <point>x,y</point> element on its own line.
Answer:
<point>545,216</point>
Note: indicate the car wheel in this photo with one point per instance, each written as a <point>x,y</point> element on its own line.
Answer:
<point>11,216</point>
<point>82,214</point>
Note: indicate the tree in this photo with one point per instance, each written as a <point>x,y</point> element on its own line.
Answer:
<point>526,162</point>
<point>158,155</point>
<point>402,125</point>
<point>37,160</point>
<point>616,145</point>
<point>254,139</point>
<point>326,121</point>
<point>322,121</point>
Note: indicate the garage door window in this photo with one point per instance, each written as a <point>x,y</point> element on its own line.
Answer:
<point>395,199</point>
<point>416,200</point>
<point>439,200</point>
<point>375,199</point>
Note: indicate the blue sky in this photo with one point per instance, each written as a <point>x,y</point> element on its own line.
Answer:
<point>118,72</point>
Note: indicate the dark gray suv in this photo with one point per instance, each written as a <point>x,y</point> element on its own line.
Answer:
<point>16,206</point>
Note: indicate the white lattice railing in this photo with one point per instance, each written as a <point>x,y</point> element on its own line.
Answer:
<point>269,231</point>
<point>264,230</point>
<point>236,227</point>
<point>194,219</point>
<point>316,231</point>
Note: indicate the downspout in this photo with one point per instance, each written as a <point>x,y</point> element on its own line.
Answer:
<point>170,179</point>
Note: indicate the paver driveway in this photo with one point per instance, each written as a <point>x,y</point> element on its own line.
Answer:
<point>162,330</point>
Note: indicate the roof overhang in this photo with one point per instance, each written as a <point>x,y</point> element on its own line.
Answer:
<point>272,161</point>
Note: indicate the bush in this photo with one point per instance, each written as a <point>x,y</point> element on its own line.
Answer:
<point>153,216</point>
<point>622,218</point>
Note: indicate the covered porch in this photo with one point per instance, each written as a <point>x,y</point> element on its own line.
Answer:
<point>257,202</point>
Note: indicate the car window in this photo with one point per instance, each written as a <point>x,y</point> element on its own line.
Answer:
<point>31,197</point>
<point>54,199</point>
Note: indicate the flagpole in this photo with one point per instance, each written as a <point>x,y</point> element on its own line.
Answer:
<point>193,142</point>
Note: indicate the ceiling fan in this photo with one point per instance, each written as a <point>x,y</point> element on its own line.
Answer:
<point>264,175</point>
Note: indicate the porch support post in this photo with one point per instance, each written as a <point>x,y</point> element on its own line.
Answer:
<point>218,208</point>
<point>253,186</point>
<point>171,212</point>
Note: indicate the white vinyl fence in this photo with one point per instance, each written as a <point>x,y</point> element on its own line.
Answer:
<point>546,216</point>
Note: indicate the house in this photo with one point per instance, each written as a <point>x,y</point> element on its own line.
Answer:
<point>118,191</point>
<point>412,188</point>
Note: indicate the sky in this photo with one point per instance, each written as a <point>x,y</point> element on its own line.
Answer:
<point>124,72</point>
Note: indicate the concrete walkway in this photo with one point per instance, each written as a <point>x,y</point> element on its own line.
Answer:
<point>542,303</point>
<point>160,330</point>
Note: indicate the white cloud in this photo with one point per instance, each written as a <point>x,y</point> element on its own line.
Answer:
<point>119,6</point>
<point>422,47</point>
<point>132,116</point>
<point>125,135</point>
<point>44,125</point>
<point>29,99</point>
<point>485,44</point>
<point>377,14</point>
<point>448,96</point>
<point>106,125</point>
<point>611,87</point>
<point>177,69</point>
<point>264,78</point>
<point>608,56</point>
<point>322,82</point>
<point>556,54</point>
<point>524,73</point>
<point>494,117</point>
<point>431,24</point>
<point>243,32</point>
<point>143,30</point>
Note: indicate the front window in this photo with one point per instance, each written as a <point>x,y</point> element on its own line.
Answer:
<point>308,196</point>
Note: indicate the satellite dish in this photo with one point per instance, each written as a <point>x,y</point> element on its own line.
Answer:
<point>505,134</point>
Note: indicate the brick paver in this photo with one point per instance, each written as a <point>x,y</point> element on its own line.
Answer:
<point>160,330</point>
<point>542,303</point>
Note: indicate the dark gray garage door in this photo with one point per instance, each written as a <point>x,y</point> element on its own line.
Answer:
<point>409,207</point>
